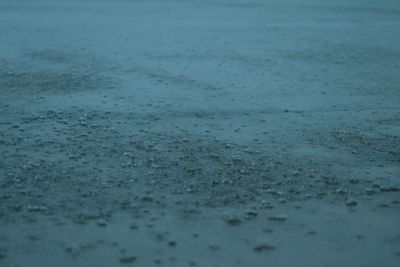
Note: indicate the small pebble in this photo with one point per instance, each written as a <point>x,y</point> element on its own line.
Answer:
<point>351,203</point>
<point>232,220</point>
<point>280,218</point>
<point>264,247</point>
<point>147,199</point>
<point>251,214</point>
<point>127,259</point>
<point>102,223</point>
<point>172,243</point>
<point>133,226</point>
<point>214,247</point>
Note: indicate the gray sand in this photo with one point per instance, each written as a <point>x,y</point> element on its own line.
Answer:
<point>199,133</point>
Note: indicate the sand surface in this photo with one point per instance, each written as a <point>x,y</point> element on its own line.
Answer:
<point>199,133</point>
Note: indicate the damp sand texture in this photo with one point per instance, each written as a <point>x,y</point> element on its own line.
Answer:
<point>199,133</point>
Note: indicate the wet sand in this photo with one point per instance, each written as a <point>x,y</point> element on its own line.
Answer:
<point>199,133</point>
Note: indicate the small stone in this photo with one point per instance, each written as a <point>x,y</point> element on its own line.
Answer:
<point>280,218</point>
<point>36,208</point>
<point>263,247</point>
<point>370,191</point>
<point>133,226</point>
<point>311,232</point>
<point>376,185</point>
<point>351,203</point>
<point>251,214</point>
<point>228,146</point>
<point>383,205</point>
<point>147,199</point>
<point>340,191</point>
<point>232,220</point>
<point>73,249</point>
<point>102,223</point>
<point>354,180</point>
<point>17,207</point>
<point>172,243</point>
<point>390,188</point>
<point>214,247</point>
<point>268,230</point>
<point>2,254</point>
<point>266,205</point>
<point>282,200</point>
<point>127,259</point>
